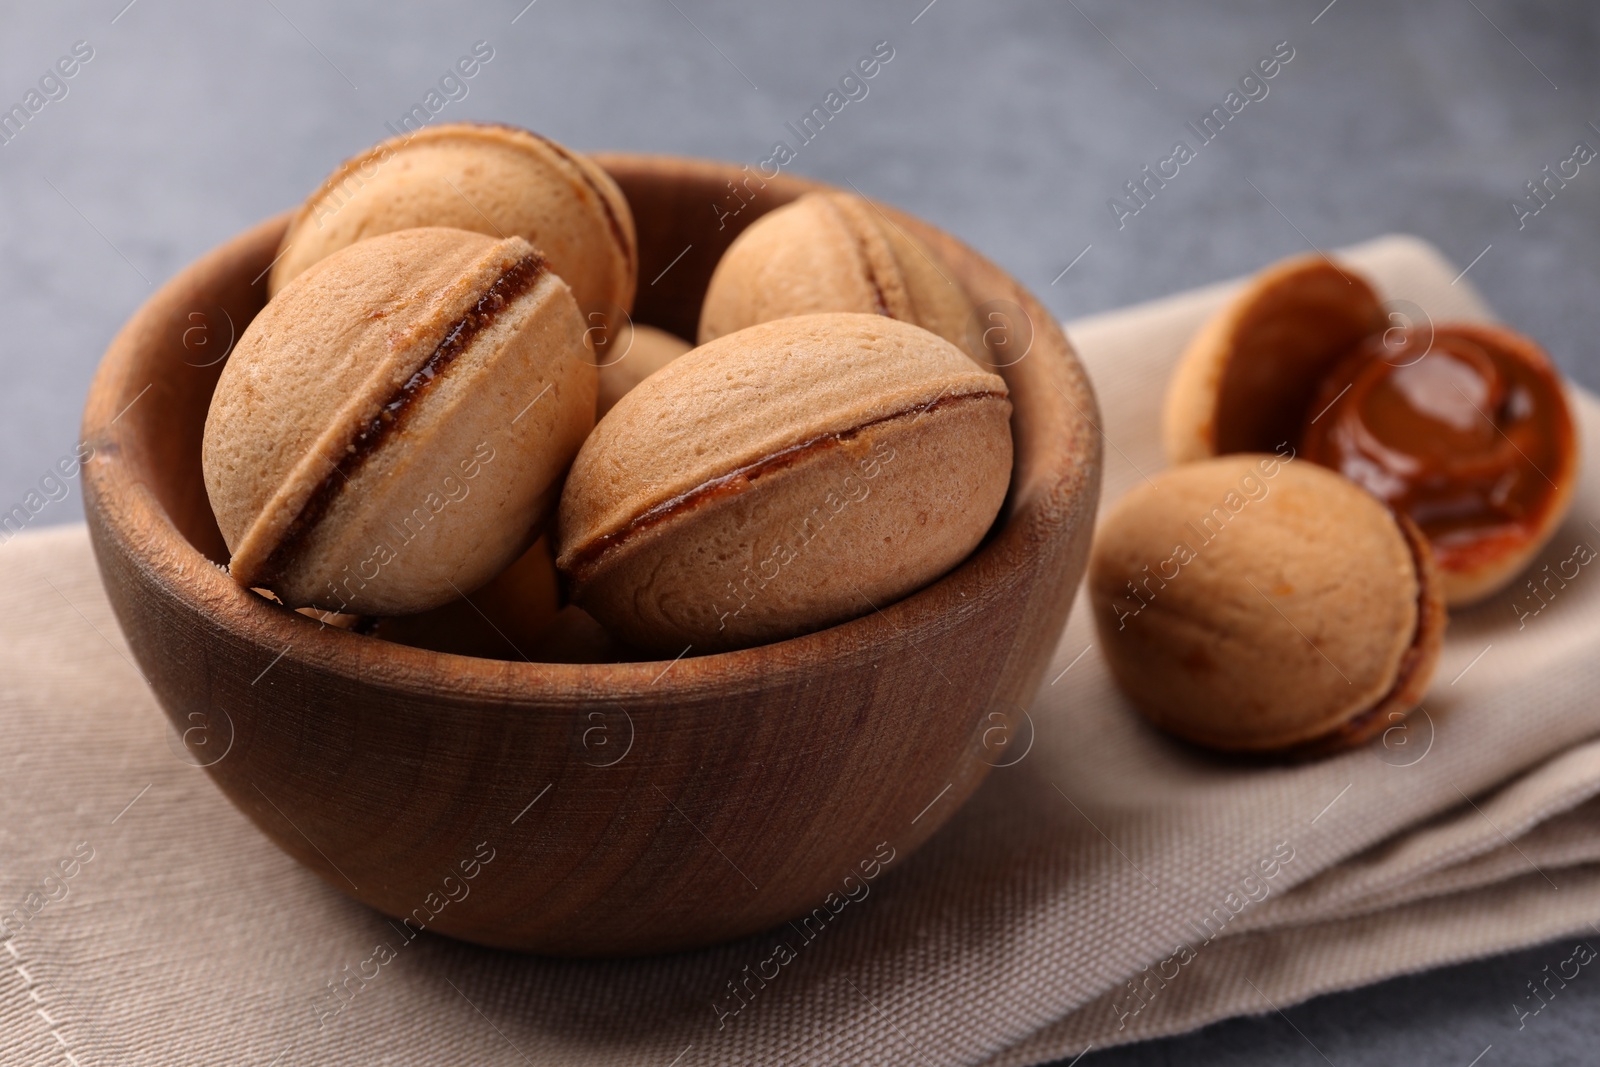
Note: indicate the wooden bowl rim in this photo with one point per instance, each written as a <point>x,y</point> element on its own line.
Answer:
<point>1058,448</point>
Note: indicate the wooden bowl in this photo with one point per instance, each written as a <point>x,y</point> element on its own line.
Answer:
<point>582,809</point>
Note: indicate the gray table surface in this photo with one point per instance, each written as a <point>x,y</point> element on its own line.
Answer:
<point>1009,125</point>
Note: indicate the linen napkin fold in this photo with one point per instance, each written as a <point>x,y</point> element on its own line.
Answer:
<point>1108,885</point>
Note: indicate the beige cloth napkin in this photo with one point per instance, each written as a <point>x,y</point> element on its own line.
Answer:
<point>148,923</point>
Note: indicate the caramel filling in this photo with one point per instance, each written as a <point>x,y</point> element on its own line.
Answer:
<point>741,479</point>
<point>1460,435</point>
<point>516,280</point>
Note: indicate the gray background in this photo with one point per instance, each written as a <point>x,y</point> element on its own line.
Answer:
<point>1009,125</point>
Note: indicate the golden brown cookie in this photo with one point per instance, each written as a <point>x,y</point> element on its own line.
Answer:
<point>575,637</point>
<point>392,429</point>
<point>637,352</point>
<point>492,179</point>
<point>832,252</point>
<point>1256,604</point>
<point>506,619</point>
<point>782,479</point>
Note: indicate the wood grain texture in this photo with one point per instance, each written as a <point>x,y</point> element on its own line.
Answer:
<point>673,804</point>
